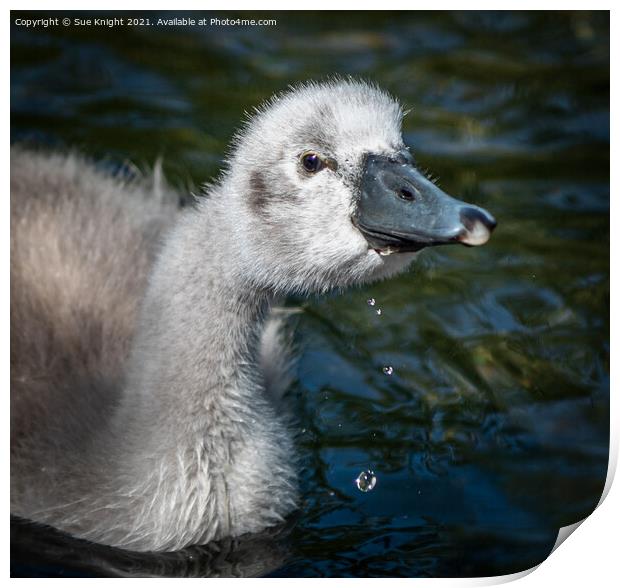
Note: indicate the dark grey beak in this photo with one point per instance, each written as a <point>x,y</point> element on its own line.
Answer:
<point>401,210</point>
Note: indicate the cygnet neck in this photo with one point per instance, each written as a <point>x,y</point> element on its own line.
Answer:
<point>198,332</point>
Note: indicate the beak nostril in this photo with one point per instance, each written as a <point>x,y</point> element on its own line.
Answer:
<point>406,194</point>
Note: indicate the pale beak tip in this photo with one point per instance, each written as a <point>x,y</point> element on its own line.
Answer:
<point>478,225</point>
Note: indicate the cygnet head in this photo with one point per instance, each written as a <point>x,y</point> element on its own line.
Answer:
<point>327,194</point>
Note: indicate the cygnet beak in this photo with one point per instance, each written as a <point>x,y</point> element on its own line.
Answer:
<point>401,210</point>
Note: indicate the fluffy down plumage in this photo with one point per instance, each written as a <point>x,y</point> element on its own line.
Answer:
<point>140,408</point>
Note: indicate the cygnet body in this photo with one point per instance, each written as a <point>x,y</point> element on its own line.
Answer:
<point>145,395</point>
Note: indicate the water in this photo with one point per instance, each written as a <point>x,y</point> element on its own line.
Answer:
<point>492,431</point>
<point>366,481</point>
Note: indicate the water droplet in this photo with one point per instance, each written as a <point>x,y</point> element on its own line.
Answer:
<point>366,481</point>
<point>388,370</point>
<point>379,311</point>
<point>371,302</point>
<point>332,493</point>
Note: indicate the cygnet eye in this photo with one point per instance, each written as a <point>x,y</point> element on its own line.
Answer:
<point>312,162</point>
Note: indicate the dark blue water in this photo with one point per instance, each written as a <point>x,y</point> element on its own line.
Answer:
<point>492,431</point>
